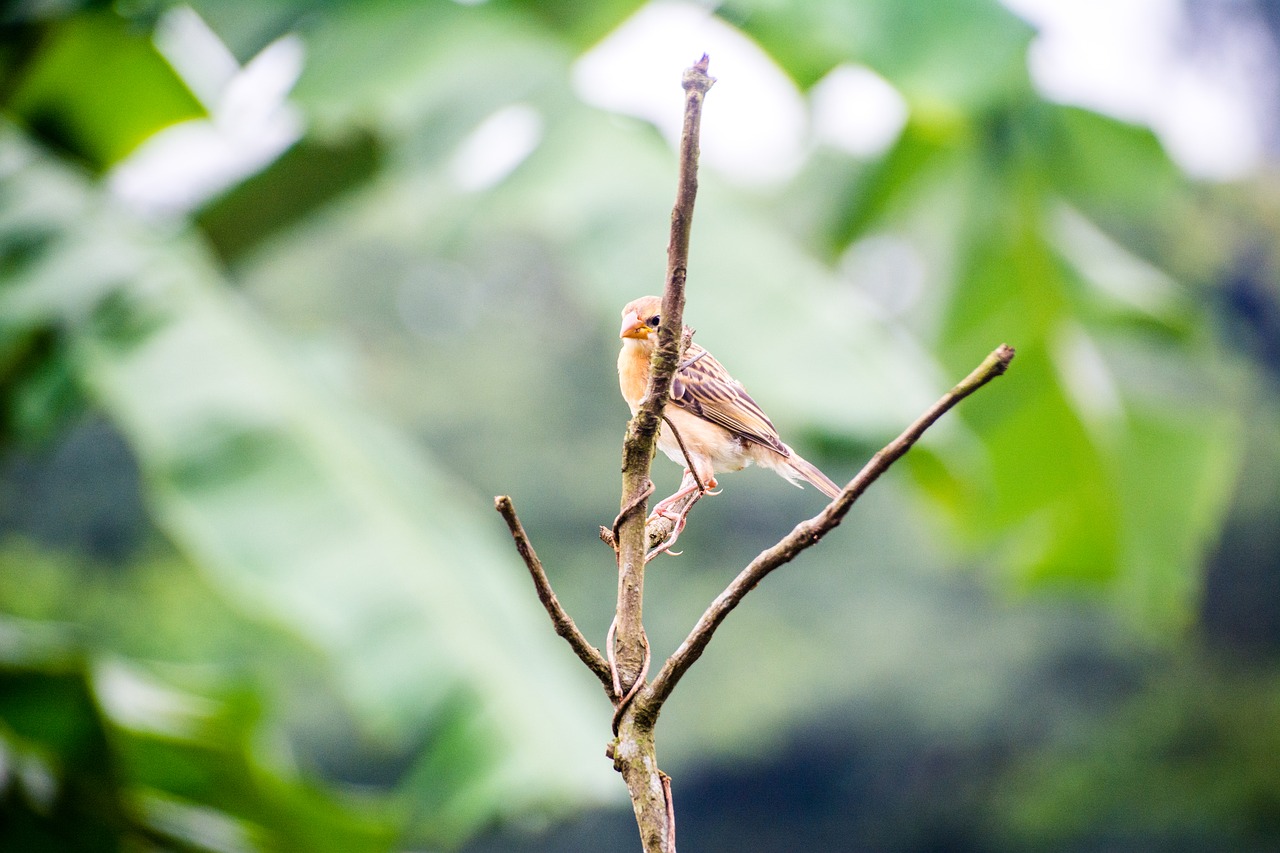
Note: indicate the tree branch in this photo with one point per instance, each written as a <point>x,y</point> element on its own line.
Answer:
<point>642,432</point>
<point>623,672</point>
<point>564,625</point>
<point>634,752</point>
<point>806,534</point>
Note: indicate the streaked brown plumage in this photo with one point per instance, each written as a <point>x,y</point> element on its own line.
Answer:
<point>722,427</point>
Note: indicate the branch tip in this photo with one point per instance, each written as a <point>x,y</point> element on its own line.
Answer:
<point>808,533</point>
<point>696,76</point>
<point>560,620</point>
<point>1004,354</point>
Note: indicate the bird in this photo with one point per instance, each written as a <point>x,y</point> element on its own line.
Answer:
<point>722,427</point>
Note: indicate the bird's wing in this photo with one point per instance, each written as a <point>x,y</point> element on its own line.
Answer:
<point>702,386</point>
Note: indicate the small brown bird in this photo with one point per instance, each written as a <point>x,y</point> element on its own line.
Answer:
<point>723,429</point>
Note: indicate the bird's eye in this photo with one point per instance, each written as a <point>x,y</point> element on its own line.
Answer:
<point>653,321</point>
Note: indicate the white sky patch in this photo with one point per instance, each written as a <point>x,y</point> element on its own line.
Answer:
<point>754,133</point>
<point>496,147</point>
<point>856,110</point>
<point>1126,59</point>
<point>250,120</point>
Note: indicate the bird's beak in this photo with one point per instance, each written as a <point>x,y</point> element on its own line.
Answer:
<point>633,327</point>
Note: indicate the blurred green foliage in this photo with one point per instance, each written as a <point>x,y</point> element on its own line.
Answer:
<point>103,754</point>
<point>1187,764</point>
<point>95,87</point>
<point>314,637</point>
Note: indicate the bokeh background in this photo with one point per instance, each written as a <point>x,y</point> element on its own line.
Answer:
<point>290,289</point>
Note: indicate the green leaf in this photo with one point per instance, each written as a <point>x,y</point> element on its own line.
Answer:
<point>435,67</point>
<point>579,24</point>
<point>1109,168</point>
<point>200,768</point>
<point>38,391</point>
<point>60,790</point>
<point>1175,475</point>
<point>97,88</point>
<point>927,155</point>
<point>953,52</point>
<point>304,178</point>
<point>100,755</point>
<point>247,26</point>
<point>1101,464</point>
<point>289,498</point>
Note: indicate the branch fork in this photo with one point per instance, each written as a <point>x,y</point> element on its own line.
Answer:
<point>624,666</point>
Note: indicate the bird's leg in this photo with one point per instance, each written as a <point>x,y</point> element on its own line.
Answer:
<point>688,485</point>
<point>690,492</point>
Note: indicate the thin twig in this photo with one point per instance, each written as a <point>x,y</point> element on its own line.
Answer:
<point>615,682</point>
<point>671,812</point>
<point>636,503</point>
<point>691,362</point>
<point>807,534</point>
<point>686,341</point>
<point>564,625</point>
<point>623,701</point>
<point>688,460</point>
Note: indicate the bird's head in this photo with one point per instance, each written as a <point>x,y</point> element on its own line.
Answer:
<point>640,320</point>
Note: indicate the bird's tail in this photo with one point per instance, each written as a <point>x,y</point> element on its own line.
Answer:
<point>810,472</point>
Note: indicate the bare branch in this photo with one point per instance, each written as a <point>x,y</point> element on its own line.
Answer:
<point>671,812</point>
<point>642,432</point>
<point>634,752</point>
<point>564,625</point>
<point>807,533</point>
<point>688,461</point>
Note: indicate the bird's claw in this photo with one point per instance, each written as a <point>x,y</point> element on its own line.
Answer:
<point>678,520</point>
<point>664,547</point>
<point>690,492</point>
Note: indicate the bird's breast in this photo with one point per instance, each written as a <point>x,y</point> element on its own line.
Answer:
<point>633,373</point>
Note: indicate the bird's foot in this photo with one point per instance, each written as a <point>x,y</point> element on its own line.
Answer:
<point>675,510</point>
<point>662,508</point>
<point>677,520</point>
